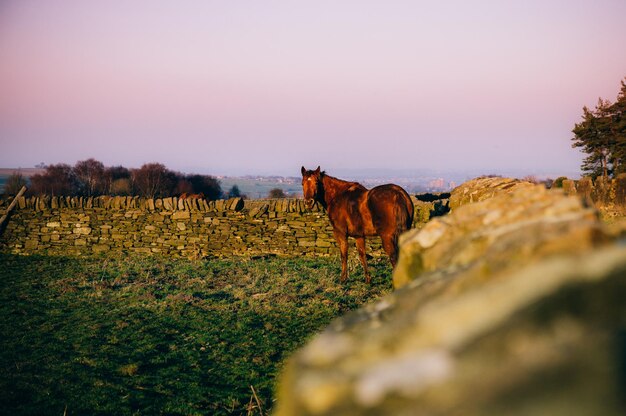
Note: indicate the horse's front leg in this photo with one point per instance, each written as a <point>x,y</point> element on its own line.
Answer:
<point>360,245</point>
<point>342,242</point>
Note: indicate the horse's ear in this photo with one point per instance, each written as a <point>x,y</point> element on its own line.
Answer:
<point>317,171</point>
<point>303,170</point>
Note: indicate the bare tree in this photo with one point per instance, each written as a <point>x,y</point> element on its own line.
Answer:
<point>90,176</point>
<point>154,179</point>
<point>183,186</point>
<point>58,179</point>
<point>14,183</point>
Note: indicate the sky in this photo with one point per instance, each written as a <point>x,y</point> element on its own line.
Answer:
<point>264,87</point>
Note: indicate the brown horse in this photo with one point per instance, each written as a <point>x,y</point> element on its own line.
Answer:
<point>185,195</point>
<point>355,211</point>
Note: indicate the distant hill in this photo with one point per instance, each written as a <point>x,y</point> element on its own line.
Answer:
<point>27,172</point>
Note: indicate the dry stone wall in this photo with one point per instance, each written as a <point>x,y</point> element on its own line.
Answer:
<point>197,228</point>
<point>600,191</point>
<point>179,227</point>
<point>171,226</point>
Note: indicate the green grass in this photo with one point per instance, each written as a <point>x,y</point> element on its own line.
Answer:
<point>259,189</point>
<point>160,336</point>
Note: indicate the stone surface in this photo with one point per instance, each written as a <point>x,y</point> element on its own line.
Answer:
<point>509,223</point>
<point>509,305</point>
<point>483,188</point>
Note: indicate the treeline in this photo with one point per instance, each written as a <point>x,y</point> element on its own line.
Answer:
<point>91,178</point>
<point>601,135</point>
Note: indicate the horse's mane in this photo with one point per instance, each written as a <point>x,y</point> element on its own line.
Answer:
<point>347,185</point>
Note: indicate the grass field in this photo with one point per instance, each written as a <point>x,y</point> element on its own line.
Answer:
<point>161,336</point>
<point>26,172</point>
<point>255,188</point>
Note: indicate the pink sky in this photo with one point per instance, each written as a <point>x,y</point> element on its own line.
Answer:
<point>236,87</point>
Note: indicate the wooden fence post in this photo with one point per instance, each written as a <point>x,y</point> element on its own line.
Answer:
<point>10,208</point>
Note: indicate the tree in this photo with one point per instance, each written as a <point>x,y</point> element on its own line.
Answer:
<point>277,193</point>
<point>90,175</point>
<point>57,180</point>
<point>602,136</point>
<point>153,180</point>
<point>117,180</point>
<point>206,185</point>
<point>14,183</point>
<point>121,186</point>
<point>618,125</point>
<point>183,186</point>
<point>234,192</point>
<point>558,182</point>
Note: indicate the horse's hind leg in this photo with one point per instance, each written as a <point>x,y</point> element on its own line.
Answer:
<point>342,242</point>
<point>360,245</point>
<point>390,245</point>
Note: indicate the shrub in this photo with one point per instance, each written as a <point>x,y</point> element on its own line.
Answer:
<point>206,185</point>
<point>531,179</point>
<point>558,182</point>
<point>277,193</point>
<point>548,183</point>
<point>14,183</point>
<point>113,174</point>
<point>234,192</point>
<point>121,187</point>
<point>183,186</point>
<point>57,180</point>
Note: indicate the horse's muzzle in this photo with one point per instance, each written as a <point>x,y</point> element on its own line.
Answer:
<point>309,203</point>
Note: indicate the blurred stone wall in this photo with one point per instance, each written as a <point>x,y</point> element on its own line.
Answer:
<point>599,191</point>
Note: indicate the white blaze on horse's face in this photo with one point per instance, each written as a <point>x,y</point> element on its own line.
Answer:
<point>309,188</point>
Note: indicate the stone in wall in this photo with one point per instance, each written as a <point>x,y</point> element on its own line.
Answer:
<point>483,188</point>
<point>569,187</point>
<point>620,189</point>
<point>584,188</point>
<point>601,192</point>
<point>514,305</point>
<point>235,204</point>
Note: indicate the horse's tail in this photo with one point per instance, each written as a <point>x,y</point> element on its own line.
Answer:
<point>392,214</point>
<point>404,214</point>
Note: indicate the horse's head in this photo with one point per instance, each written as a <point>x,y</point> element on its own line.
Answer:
<point>312,186</point>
